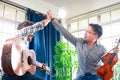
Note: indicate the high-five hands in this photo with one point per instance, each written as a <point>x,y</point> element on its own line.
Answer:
<point>47,20</point>
<point>49,13</point>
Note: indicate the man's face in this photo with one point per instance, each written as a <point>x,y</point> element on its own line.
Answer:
<point>89,34</point>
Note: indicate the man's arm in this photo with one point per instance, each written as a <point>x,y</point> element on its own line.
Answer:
<point>33,28</point>
<point>29,30</point>
<point>59,27</point>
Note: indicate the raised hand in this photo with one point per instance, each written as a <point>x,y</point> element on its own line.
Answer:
<point>47,20</point>
<point>49,13</point>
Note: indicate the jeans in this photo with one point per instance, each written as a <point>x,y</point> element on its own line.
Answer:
<point>88,76</point>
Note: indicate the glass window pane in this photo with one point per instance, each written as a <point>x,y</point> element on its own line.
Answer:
<point>107,31</point>
<point>10,13</point>
<point>75,34</point>
<point>93,20</point>
<point>1,10</point>
<point>20,16</point>
<point>81,34</point>
<point>9,27</point>
<point>5,36</point>
<point>116,29</point>
<point>1,21</point>
<point>0,43</point>
<point>115,15</point>
<point>107,42</point>
<point>1,47</point>
<point>64,39</point>
<point>74,27</point>
<point>0,38</point>
<point>105,17</point>
<point>0,53</point>
<point>83,24</point>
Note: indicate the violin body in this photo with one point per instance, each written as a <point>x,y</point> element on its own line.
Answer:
<point>17,59</point>
<point>104,74</point>
<point>105,71</point>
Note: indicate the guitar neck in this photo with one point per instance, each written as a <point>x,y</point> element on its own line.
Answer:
<point>36,63</point>
<point>41,65</point>
<point>29,30</point>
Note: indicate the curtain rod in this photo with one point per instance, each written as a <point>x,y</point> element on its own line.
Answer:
<point>14,4</point>
<point>18,6</point>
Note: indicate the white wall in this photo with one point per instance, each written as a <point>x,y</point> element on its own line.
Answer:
<point>37,5</point>
<point>75,8</point>
<point>88,5</point>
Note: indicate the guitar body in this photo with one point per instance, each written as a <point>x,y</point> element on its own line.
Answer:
<point>15,58</point>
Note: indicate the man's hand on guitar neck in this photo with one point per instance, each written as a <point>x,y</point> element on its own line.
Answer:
<point>41,68</point>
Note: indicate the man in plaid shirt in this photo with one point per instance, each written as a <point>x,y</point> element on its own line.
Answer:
<point>25,31</point>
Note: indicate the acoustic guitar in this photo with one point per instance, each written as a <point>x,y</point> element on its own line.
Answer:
<point>17,59</point>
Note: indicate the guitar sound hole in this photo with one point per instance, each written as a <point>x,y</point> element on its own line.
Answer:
<point>29,60</point>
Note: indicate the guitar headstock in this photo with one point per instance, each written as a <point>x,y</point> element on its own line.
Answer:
<point>47,70</point>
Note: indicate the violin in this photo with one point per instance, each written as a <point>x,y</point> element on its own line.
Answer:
<point>17,59</point>
<point>110,59</point>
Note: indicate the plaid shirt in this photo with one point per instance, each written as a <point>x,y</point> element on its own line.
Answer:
<point>28,30</point>
<point>23,34</point>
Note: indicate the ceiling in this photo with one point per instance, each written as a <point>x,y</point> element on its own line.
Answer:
<point>77,7</point>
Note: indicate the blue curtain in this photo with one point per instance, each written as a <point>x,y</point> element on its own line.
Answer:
<point>43,43</point>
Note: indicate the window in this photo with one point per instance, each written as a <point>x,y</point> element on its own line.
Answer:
<point>83,24</point>
<point>115,15</point>
<point>115,29</point>
<point>107,31</point>
<point>105,18</point>
<point>74,27</point>
<point>93,20</point>
<point>10,17</point>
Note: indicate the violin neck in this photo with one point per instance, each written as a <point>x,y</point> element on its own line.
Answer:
<point>111,58</point>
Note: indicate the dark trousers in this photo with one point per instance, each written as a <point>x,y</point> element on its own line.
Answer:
<point>88,76</point>
<point>26,76</point>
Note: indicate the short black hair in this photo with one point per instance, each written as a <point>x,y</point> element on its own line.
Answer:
<point>97,29</point>
<point>24,24</point>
